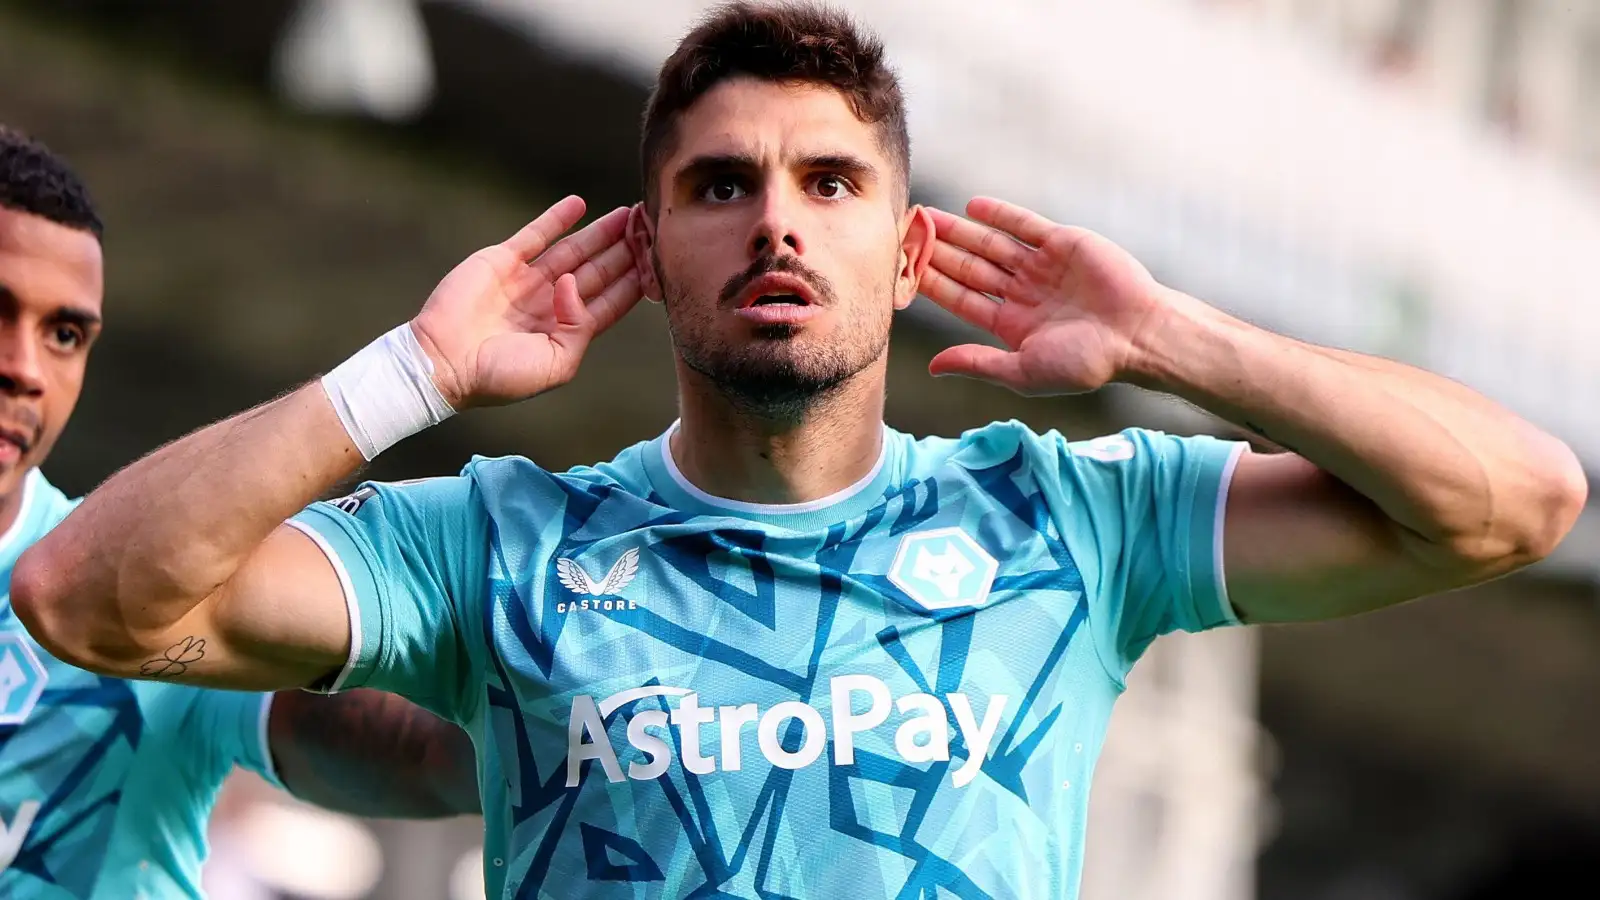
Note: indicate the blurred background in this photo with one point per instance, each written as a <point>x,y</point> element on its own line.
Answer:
<point>284,179</point>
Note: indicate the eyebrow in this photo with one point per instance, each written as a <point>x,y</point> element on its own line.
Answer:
<point>723,163</point>
<point>843,163</point>
<point>73,315</point>
<point>86,319</point>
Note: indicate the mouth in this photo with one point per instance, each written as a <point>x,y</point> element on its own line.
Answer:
<point>14,444</point>
<point>777,289</point>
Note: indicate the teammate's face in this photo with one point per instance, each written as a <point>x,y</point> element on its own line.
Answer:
<point>50,293</point>
<point>780,245</point>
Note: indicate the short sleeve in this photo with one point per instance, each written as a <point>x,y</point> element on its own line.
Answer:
<point>236,723</point>
<point>412,558</point>
<point>1142,515</point>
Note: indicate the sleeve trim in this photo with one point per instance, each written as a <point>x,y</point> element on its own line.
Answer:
<point>269,765</point>
<point>352,605</point>
<point>1224,605</point>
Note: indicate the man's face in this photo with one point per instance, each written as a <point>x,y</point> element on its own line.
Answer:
<point>50,295</point>
<point>781,247</point>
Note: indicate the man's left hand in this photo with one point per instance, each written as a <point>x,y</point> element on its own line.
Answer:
<point>1068,304</point>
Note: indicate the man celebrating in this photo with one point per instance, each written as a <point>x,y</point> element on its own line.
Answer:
<point>783,650</point>
<point>105,784</point>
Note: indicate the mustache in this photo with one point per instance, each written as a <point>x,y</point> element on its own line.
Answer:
<point>767,265</point>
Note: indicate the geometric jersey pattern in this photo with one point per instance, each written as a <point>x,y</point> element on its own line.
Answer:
<point>106,784</point>
<point>678,696</point>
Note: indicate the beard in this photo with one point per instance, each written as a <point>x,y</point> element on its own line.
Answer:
<point>782,372</point>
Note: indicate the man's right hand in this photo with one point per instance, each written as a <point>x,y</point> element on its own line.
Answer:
<point>513,320</point>
<point>180,566</point>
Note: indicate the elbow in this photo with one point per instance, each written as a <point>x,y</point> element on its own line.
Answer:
<point>1558,501</point>
<point>36,599</point>
<point>1533,519</point>
<point>42,600</point>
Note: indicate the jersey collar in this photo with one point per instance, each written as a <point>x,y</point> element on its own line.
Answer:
<point>11,542</point>
<point>841,506</point>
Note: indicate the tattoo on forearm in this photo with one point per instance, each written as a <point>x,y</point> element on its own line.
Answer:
<point>175,660</point>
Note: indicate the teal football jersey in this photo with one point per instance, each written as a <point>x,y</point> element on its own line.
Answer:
<point>896,691</point>
<point>106,784</point>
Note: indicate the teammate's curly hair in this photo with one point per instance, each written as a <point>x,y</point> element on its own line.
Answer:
<point>34,180</point>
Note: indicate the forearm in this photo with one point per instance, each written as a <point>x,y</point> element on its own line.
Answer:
<point>163,534</point>
<point>1444,463</point>
<point>372,754</point>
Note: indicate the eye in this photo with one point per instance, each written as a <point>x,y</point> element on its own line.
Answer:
<point>722,190</point>
<point>831,187</point>
<point>67,337</point>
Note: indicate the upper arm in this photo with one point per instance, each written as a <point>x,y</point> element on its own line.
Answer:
<point>281,620</point>
<point>412,563</point>
<point>1141,514</point>
<point>380,588</point>
<point>1302,546</point>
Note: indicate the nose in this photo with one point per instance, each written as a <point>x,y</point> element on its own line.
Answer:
<point>21,372</point>
<point>777,230</point>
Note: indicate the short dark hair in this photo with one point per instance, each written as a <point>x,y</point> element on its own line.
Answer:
<point>782,42</point>
<point>34,180</point>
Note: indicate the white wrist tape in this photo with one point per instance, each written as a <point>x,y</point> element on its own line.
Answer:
<point>385,393</point>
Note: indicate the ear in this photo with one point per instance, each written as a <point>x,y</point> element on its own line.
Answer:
<point>916,249</point>
<point>641,237</point>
